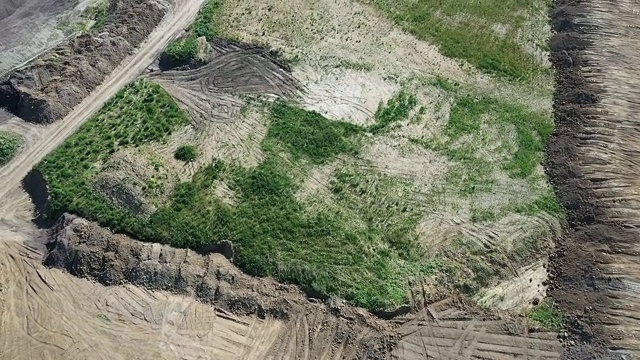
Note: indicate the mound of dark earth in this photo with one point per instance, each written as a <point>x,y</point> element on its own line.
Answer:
<point>47,89</point>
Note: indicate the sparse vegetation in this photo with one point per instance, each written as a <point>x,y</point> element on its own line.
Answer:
<point>204,25</point>
<point>548,316</point>
<point>468,31</point>
<point>9,145</point>
<point>186,153</point>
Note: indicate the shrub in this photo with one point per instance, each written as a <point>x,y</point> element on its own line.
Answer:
<point>183,49</point>
<point>186,153</point>
<point>9,144</point>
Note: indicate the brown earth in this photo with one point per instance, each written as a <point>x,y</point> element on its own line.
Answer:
<point>314,329</point>
<point>47,89</point>
<point>592,161</point>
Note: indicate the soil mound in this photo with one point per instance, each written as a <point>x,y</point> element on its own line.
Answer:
<point>47,89</point>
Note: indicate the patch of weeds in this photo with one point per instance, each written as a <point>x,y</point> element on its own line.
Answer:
<point>548,316</point>
<point>547,202</point>
<point>186,153</point>
<point>464,30</point>
<point>204,24</point>
<point>532,129</point>
<point>307,134</point>
<point>397,108</point>
<point>138,114</point>
<point>9,145</point>
<point>482,215</point>
<point>183,49</point>
<point>358,66</point>
<point>445,84</point>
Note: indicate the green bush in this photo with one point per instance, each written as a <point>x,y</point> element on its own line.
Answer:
<point>9,145</point>
<point>186,153</point>
<point>183,49</point>
<point>548,316</point>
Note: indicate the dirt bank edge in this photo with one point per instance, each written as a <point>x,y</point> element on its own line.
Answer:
<point>576,284</point>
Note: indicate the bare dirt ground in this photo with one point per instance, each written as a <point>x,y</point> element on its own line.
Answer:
<point>48,88</point>
<point>593,163</point>
<point>33,20</point>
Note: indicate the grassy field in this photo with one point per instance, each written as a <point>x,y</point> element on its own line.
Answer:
<point>9,145</point>
<point>485,33</point>
<point>355,211</point>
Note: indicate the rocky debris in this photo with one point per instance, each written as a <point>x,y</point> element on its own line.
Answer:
<point>48,88</point>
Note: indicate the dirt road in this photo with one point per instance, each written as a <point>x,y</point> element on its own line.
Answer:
<point>179,17</point>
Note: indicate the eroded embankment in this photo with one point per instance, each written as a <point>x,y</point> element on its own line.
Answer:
<point>593,162</point>
<point>315,330</point>
<point>47,89</point>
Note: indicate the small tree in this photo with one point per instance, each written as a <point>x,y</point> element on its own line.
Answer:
<point>186,153</point>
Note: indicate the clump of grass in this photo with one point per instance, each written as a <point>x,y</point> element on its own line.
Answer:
<point>465,30</point>
<point>548,316</point>
<point>444,84</point>
<point>204,24</point>
<point>547,202</point>
<point>101,15</point>
<point>307,134</point>
<point>9,145</point>
<point>186,153</point>
<point>397,108</point>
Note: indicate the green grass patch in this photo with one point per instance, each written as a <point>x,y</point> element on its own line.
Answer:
<point>548,316</point>
<point>532,129</point>
<point>547,202</point>
<point>186,153</point>
<point>9,145</point>
<point>465,30</point>
<point>204,25</point>
<point>140,113</point>
<point>274,233</point>
<point>183,49</point>
<point>307,134</point>
<point>397,108</point>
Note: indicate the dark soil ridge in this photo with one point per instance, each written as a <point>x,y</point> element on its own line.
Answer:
<point>576,284</point>
<point>47,89</point>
